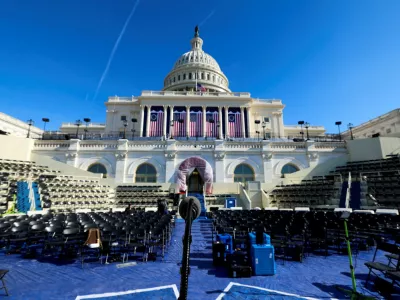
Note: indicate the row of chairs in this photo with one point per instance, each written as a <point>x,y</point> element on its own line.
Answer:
<point>67,235</point>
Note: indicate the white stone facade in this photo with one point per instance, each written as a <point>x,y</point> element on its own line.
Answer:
<point>16,127</point>
<point>121,158</point>
<point>195,116</point>
<point>384,125</point>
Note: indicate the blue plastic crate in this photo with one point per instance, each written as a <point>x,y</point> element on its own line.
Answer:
<point>226,239</point>
<point>263,260</point>
<point>252,238</point>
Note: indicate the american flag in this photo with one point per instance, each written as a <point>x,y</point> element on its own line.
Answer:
<point>201,88</point>
<point>234,124</point>
<point>212,128</point>
<point>179,128</point>
<point>156,123</point>
<point>196,122</point>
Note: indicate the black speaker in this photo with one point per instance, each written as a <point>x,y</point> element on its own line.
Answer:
<point>176,199</point>
<point>259,237</point>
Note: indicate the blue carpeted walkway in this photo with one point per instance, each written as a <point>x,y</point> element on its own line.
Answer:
<point>316,277</point>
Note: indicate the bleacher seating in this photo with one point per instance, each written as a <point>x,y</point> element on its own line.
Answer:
<point>140,196</point>
<point>309,193</point>
<point>217,200</point>
<point>66,194</point>
<point>382,179</point>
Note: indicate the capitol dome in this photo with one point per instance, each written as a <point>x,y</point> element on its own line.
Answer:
<point>196,70</point>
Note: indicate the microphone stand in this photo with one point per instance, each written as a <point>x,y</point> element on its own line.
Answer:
<point>187,240</point>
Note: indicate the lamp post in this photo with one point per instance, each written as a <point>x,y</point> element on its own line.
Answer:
<point>350,127</point>
<point>306,125</point>
<point>172,129</point>
<point>77,123</point>
<point>134,121</point>
<point>338,123</point>
<point>125,123</point>
<point>257,122</point>
<point>87,121</point>
<point>218,125</point>
<point>263,126</point>
<point>301,123</point>
<point>30,123</point>
<point>45,121</point>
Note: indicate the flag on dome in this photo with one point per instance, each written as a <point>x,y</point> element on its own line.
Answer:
<point>201,88</point>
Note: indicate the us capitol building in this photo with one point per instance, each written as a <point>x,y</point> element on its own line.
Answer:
<point>194,128</point>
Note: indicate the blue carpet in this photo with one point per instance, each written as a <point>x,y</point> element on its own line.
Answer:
<point>316,277</point>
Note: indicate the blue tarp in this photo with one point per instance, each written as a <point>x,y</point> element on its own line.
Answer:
<point>316,277</point>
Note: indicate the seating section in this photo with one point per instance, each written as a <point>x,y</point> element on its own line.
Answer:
<point>381,177</point>
<point>309,193</point>
<point>66,194</point>
<point>22,170</point>
<point>391,163</point>
<point>122,235</point>
<point>296,233</point>
<point>140,196</point>
<point>8,190</point>
<point>217,200</point>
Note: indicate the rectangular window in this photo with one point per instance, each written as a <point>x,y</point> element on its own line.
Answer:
<point>388,130</point>
<point>123,118</point>
<point>266,120</point>
<point>190,75</point>
<point>184,76</point>
<point>208,76</point>
<point>179,77</point>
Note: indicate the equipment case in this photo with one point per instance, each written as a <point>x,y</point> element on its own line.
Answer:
<point>263,259</point>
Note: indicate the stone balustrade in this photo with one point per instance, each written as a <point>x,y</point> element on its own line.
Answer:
<point>140,145</point>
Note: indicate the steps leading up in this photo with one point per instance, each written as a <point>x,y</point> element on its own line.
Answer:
<point>202,203</point>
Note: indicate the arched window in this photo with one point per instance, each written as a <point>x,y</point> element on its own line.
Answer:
<point>146,173</point>
<point>288,169</point>
<point>98,169</point>
<point>243,173</point>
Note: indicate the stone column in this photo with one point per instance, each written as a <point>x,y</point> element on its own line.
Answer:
<point>248,122</point>
<point>165,121</point>
<point>204,120</point>
<point>72,154</point>
<point>148,120</point>
<point>187,120</point>
<point>120,157</point>
<point>220,122</point>
<point>226,122</point>
<point>242,119</point>
<point>171,113</point>
<point>71,158</point>
<point>141,120</point>
<point>170,167</point>
<point>219,166</point>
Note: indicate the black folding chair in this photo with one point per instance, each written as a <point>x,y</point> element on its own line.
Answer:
<point>375,266</point>
<point>2,274</point>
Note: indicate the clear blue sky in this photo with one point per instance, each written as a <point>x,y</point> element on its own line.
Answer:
<point>327,60</point>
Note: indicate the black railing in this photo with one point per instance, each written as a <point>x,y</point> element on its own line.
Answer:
<point>251,138</point>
